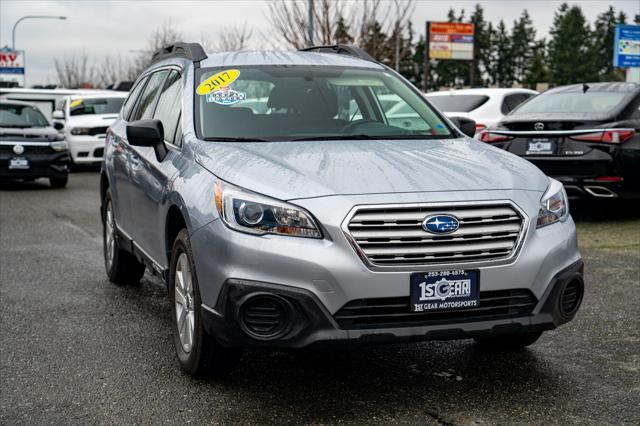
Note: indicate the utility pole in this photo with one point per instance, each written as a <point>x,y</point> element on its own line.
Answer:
<point>425,83</point>
<point>310,22</point>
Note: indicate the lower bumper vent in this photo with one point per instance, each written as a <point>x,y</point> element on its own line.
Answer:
<point>395,311</point>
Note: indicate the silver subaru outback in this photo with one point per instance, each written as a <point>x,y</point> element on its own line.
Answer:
<point>300,199</point>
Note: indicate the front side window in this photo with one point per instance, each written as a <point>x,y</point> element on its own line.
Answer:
<point>306,102</point>
<point>21,116</point>
<point>144,108</point>
<point>92,106</point>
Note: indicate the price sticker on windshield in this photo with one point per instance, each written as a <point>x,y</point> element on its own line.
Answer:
<point>217,81</point>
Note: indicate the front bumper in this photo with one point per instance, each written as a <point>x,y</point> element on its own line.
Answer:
<point>55,165</point>
<point>312,325</point>
<point>330,272</point>
<point>86,149</point>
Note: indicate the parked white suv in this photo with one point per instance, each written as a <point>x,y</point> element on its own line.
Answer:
<point>84,119</point>
<point>486,106</point>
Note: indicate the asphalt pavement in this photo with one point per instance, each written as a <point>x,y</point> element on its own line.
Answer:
<point>75,349</point>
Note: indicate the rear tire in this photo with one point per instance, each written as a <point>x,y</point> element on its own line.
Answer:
<point>509,342</point>
<point>198,352</point>
<point>121,266</point>
<point>58,182</point>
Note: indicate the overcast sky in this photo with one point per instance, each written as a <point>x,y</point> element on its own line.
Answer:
<point>108,27</point>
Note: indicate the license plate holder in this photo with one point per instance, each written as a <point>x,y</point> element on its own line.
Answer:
<point>444,290</point>
<point>19,163</point>
<point>541,146</point>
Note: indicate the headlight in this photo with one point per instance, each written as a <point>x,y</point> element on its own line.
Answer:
<point>59,145</point>
<point>247,211</point>
<point>554,206</point>
<point>80,131</point>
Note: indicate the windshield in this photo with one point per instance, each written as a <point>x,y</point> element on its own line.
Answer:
<point>458,103</point>
<point>21,116</point>
<point>95,106</point>
<point>574,102</point>
<point>306,102</point>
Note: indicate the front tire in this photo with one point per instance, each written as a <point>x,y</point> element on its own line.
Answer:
<point>121,266</point>
<point>58,182</point>
<point>198,353</point>
<point>509,342</point>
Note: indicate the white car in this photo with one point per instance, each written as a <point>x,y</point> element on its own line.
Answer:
<point>84,120</point>
<point>485,106</point>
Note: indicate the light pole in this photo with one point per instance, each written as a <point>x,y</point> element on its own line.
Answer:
<point>13,32</point>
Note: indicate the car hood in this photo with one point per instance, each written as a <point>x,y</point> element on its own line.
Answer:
<point>29,134</point>
<point>92,120</point>
<point>290,170</point>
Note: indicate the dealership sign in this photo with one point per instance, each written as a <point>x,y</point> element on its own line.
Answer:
<point>450,40</point>
<point>626,46</point>
<point>12,66</point>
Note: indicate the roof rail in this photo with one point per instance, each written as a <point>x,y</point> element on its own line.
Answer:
<point>192,51</point>
<point>341,49</point>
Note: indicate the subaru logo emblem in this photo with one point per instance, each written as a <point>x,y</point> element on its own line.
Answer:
<point>18,149</point>
<point>538,126</point>
<point>440,224</point>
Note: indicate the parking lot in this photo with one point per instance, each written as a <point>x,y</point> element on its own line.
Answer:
<point>77,349</point>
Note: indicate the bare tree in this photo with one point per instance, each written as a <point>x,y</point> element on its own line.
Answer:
<point>289,20</point>
<point>112,69</point>
<point>229,39</point>
<point>75,71</point>
<point>164,36</point>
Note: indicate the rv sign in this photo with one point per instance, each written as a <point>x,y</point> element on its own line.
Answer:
<point>12,66</point>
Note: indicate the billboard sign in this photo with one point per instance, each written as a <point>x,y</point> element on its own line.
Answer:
<point>450,40</point>
<point>12,66</point>
<point>626,46</point>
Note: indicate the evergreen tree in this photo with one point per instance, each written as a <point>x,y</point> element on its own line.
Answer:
<point>602,45</point>
<point>569,56</point>
<point>538,71</point>
<point>502,65</point>
<point>481,47</point>
<point>375,42</point>
<point>341,34</point>
<point>523,38</point>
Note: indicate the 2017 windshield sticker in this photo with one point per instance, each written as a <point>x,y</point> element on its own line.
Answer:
<point>217,81</point>
<point>226,96</point>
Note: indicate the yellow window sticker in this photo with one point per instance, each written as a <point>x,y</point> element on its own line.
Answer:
<point>217,81</point>
<point>75,103</point>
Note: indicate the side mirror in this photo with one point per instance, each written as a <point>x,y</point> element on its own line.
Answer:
<point>148,133</point>
<point>58,125</point>
<point>58,115</point>
<point>466,125</point>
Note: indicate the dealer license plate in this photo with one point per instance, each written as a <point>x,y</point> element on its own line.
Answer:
<point>540,146</point>
<point>444,290</point>
<point>18,163</point>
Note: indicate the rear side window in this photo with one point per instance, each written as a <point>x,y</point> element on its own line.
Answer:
<point>144,108</point>
<point>458,103</point>
<point>131,100</point>
<point>169,104</point>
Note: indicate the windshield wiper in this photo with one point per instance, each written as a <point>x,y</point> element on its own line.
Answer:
<point>235,139</point>
<point>16,126</point>
<point>366,137</point>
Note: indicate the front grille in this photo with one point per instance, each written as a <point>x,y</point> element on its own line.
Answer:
<point>98,131</point>
<point>28,149</point>
<point>392,236</point>
<point>395,311</point>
